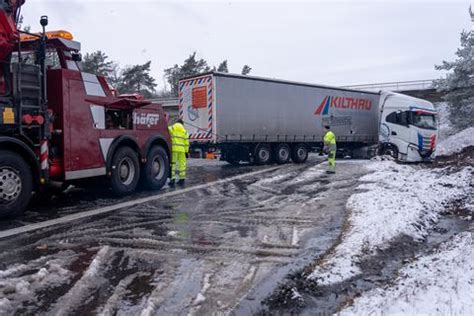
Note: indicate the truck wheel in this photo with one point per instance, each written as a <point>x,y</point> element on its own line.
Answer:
<point>391,151</point>
<point>281,153</point>
<point>299,153</point>
<point>16,184</point>
<point>125,171</point>
<point>156,169</point>
<point>263,154</point>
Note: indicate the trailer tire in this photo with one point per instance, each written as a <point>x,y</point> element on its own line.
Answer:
<point>282,153</point>
<point>157,168</point>
<point>299,153</point>
<point>263,154</point>
<point>125,171</point>
<point>16,184</point>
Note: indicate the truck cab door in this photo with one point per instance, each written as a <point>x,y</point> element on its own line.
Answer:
<point>396,130</point>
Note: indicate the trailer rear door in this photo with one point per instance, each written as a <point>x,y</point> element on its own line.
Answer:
<point>197,107</point>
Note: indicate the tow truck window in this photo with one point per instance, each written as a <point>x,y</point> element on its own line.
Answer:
<point>29,58</point>
<point>118,119</point>
<point>399,118</point>
<point>427,121</point>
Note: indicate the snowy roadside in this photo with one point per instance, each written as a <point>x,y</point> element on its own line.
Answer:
<point>456,143</point>
<point>399,200</point>
<point>438,284</point>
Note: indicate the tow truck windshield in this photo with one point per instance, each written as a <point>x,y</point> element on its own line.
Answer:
<point>29,57</point>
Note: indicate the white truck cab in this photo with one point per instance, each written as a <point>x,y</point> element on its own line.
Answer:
<point>408,127</point>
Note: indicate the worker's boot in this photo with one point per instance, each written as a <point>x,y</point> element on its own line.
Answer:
<point>181,182</point>
<point>171,183</point>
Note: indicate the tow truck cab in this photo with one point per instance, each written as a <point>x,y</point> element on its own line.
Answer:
<point>72,126</point>
<point>408,128</point>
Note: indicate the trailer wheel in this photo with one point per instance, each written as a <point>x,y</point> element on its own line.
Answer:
<point>16,184</point>
<point>282,153</point>
<point>156,169</point>
<point>125,171</point>
<point>299,153</point>
<point>263,154</point>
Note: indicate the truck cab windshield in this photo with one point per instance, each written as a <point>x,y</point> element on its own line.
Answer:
<point>427,121</point>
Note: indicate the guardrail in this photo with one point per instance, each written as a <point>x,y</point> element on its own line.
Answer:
<point>395,86</point>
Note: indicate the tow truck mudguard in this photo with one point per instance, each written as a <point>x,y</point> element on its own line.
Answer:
<point>18,146</point>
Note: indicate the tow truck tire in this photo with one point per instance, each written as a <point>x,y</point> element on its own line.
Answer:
<point>16,184</point>
<point>125,171</point>
<point>157,167</point>
<point>282,153</point>
<point>263,154</point>
<point>299,153</point>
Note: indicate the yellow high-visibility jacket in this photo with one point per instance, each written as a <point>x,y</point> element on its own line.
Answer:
<point>179,138</point>
<point>330,140</point>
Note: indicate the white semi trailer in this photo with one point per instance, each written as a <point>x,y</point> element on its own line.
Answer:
<point>263,120</point>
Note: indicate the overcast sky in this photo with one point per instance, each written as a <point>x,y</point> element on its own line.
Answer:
<point>328,42</point>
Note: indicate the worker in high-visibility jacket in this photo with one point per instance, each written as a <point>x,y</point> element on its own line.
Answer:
<point>179,150</point>
<point>330,148</point>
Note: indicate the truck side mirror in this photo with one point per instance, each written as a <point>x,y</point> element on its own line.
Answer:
<point>76,57</point>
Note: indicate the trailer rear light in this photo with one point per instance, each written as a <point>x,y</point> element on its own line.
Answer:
<point>52,34</point>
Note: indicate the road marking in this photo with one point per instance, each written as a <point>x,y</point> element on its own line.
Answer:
<point>111,208</point>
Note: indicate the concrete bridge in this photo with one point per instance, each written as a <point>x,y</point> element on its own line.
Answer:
<point>417,88</point>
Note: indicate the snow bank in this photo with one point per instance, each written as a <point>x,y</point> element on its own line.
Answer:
<point>399,200</point>
<point>439,284</point>
<point>456,143</point>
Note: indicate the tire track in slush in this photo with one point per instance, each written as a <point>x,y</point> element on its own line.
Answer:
<point>128,204</point>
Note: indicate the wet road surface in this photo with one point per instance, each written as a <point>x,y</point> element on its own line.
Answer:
<point>75,200</point>
<point>219,249</point>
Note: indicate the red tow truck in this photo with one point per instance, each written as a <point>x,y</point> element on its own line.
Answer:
<point>59,124</point>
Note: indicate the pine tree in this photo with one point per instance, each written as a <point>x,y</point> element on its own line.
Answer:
<point>246,70</point>
<point>459,83</point>
<point>223,67</point>
<point>137,79</point>
<point>190,67</point>
<point>97,63</point>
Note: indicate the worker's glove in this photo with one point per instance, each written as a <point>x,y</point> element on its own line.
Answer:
<point>326,150</point>
<point>187,155</point>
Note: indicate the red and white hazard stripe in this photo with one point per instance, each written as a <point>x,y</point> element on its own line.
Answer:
<point>44,154</point>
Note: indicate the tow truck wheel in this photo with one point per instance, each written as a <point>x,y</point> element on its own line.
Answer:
<point>282,153</point>
<point>16,184</point>
<point>125,171</point>
<point>262,154</point>
<point>156,169</point>
<point>299,153</point>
